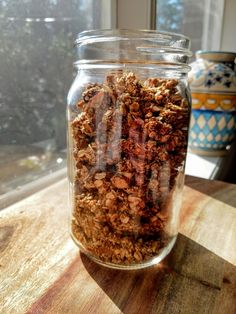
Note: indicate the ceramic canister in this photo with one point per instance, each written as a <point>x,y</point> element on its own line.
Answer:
<point>213,86</point>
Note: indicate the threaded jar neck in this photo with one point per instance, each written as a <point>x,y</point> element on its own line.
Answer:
<point>123,46</point>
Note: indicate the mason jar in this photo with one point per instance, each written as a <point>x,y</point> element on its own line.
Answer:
<point>128,120</point>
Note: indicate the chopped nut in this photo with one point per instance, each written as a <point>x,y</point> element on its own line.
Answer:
<point>134,106</point>
<point>127,174</point>
<point>100,175</point>
<point>119,182</point>
<point>138,256</point>
<point>153,185</point>
<point>98,183</point>
<point>111,196</point>
<point>134,199</point>
<point>110,203</point>
<point>124,219</point>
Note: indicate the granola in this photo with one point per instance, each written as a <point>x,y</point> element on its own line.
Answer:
<point>130,141</point>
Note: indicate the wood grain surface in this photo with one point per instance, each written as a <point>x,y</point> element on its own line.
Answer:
<point>42,271</point>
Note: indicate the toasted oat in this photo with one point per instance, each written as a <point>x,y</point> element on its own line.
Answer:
<point>119,182</point>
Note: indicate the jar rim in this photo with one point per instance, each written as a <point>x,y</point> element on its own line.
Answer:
<point>132,46</point>
<point>106,34</point>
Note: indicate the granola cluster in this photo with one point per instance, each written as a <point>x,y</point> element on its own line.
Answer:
<point>130,141</point>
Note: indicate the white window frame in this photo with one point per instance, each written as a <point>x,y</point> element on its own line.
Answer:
<point>108,14</point>
<point>219,28</point>
<point>213,24</point>
<point>135,14</point>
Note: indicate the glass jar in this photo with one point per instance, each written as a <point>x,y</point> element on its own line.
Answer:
<point>128,120</point>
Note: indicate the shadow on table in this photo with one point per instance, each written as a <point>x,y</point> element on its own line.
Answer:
<point>189,281</point>
<point>219,190</point>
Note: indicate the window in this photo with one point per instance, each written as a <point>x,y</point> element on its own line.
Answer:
<point>36,66</point>
<point>204,21</point>
<point>200,20</point>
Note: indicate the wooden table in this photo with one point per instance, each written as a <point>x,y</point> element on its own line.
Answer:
<point>42,271</point>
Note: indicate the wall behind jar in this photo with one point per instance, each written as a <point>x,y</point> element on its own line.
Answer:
<point>228,39</point>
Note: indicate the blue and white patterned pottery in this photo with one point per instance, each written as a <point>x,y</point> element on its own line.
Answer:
<point>213,86</point>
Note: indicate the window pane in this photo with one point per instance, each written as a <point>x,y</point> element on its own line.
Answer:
<point>36,66</point>
<point>170,15</point>
<point>200,20</point>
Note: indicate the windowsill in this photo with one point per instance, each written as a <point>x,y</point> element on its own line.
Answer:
<point>27,189</point>
<point>202,166</point>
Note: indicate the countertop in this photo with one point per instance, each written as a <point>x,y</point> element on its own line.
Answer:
<point>42,271</point>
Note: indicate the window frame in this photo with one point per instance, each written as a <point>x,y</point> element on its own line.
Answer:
<point>219,22</point>
<point>213,25</point>
<point>136,14</point>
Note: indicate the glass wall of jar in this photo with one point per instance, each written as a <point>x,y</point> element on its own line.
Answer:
<point>128,120</point>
